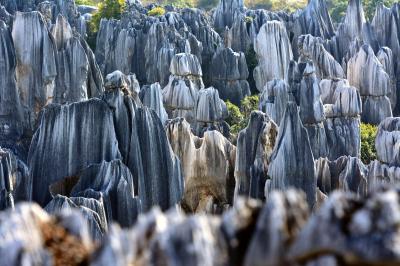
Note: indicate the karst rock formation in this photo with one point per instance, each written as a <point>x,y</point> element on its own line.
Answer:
<point>230,136</point>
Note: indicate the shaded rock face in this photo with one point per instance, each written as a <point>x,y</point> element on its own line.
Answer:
<point>314,20</point>
<point>274,98</point>
<point>181,93</point>
<point>207,163</point>
<point>151,96</point>
<point>71,137</point>
<point>292,161</point>
<point>367,74</point>
<point>342,109</point>
<point>229,75</point>
<point>142,141</point>
<point>11,113</point>
<point>313,48</point>
<point>92,211</point>
<point>110,187</point>
<point>226,13</point>
<point>345,173</point>
<point>311,109</point>
<point>349,30</point>
<point>36,64</point>
<point>274,53</point>
<point>255,144</point>
<point>13,179</point>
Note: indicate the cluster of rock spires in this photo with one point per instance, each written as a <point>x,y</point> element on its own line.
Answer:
<point>133,134</point>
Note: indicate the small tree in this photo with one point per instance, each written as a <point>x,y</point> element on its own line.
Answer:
<point>368,135</point>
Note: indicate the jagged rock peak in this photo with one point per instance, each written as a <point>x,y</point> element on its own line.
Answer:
<point>226,13</point>
<point>292,161</point>
<point>274,53</point>
<point>387,141</point>
<point>255,145</point>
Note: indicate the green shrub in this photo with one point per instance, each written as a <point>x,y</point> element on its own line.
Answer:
<point>239,117</point>
<point>87,2</point>
<point>368,134</point>
<point>248,19</point>
<point>106,9</point>
<point>156,11</point>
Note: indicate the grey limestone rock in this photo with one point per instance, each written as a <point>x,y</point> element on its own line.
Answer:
<point>387,141</point>
<point>279,222</point>
<point>229,75</point>
<point>255,145</point>
<point>345,173</point>
<point>68,139</point>
<point>367,74</point>
<point>11,112</point>
<point>274,53</point>
<point>292,161</point>
<point>208,165</point>
<point>142,141</point>
<point>181,93</point>
<point>227,12</point>
<point>354,230</point>
<point>151,96</point>
<point>274,98</point>
<point>36,64</point>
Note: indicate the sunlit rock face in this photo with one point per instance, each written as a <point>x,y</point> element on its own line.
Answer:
<point>367,74</point>
<point>207,164</point>
<point>255,145</point>
<point>181,93</point>
<point>292,161</point>
<point>210,113</point>
<point>274,53</point>
<point>151,96</point>
<point>36,64</point>
<point>229,75</point>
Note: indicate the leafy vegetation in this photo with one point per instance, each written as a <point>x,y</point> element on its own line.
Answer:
<point>239,117</point>
<point>87,2</point>
<point>156,11</point>
<point>368,134</point>
<point>337,8</point>
<point>106,9</point>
